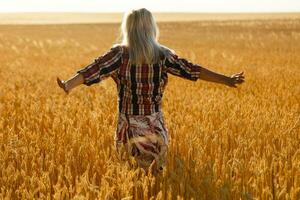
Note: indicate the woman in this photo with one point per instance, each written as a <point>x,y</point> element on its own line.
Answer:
<point>140,67</point>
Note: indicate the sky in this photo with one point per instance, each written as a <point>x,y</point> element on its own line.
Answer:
<point>152,5</point>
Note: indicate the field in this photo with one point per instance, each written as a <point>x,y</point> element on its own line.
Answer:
<point>226,143</point>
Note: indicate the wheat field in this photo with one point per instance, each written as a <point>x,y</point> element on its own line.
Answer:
<point>225,143</point>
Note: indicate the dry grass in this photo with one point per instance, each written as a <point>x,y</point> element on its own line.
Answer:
<point>225,143</point>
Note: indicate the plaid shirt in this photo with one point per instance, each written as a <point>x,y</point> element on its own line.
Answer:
<point>140,87</point>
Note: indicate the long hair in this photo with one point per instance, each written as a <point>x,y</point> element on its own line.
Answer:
<point>140,35</point>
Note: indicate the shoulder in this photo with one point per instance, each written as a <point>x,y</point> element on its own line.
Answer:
<point>119,47</point>
<point>115,51</point>
<point>166,51</point>
<point>116,48</point>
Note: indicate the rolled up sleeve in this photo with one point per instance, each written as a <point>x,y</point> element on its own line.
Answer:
<point>182,67</point>
<point>102,67</point>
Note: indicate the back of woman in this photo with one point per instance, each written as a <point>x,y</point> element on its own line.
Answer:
<point>140,67</point>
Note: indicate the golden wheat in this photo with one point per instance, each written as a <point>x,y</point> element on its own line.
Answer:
<point>226,143</point>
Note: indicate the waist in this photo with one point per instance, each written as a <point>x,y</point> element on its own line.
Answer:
<point>139,109</point>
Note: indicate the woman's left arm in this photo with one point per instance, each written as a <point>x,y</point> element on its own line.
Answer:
<point>230,81</point>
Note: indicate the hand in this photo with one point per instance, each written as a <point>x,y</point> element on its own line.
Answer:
<point>62,84</point>
<point>235,79</point>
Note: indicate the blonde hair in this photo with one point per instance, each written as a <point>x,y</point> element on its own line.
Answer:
<point>140,35</point>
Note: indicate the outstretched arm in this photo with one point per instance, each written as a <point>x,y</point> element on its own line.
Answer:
<point>76,80</point>
<point>185,69</point>
<point>103,67</point>
<point>230,81</point>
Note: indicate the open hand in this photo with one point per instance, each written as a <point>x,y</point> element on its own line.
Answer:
<point>235,79</point>
<point>62,84</point>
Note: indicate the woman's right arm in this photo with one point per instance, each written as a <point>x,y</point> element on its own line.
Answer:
<point>230,81</point>
<point>185,69</point>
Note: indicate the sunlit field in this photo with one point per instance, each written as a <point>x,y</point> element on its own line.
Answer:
<point>226,143</point>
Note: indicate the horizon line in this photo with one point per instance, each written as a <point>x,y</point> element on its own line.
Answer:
<point>181,12</point>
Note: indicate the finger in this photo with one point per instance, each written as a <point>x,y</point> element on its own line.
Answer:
<point>240,81</point>
<point>236,80</point>
<point>232,85</point>
<point>239,75</point>
<point>239,78</point>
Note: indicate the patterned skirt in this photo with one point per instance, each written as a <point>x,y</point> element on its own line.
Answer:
<point>145,137</point>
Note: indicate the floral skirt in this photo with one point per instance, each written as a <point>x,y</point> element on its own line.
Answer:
<point>143,136</point>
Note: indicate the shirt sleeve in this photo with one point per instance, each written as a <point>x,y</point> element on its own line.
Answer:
<point>181,67</point>
<point>102,67</point>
